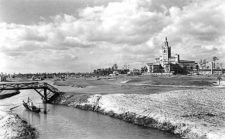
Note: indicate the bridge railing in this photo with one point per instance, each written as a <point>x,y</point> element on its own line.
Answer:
<point>22,85</point>
<point>28,85</point>
<point>51,88</point>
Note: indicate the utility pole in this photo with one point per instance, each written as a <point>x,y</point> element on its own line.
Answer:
<point>212,68</point>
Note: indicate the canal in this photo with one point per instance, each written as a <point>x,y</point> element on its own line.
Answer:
<point>63,122</point>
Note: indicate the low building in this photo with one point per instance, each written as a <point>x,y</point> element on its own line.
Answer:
<point>153,67</point>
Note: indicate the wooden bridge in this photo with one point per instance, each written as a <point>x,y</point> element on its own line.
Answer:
<point>45,90</point>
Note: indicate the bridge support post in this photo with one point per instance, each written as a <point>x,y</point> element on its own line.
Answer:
<point>45,96</point>
<point>45,100</point>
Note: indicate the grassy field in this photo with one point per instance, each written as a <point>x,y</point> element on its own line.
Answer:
<point>175,80</point>
<point>135,84</point>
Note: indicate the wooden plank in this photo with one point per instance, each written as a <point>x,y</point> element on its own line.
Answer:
<point>39,93</point>
<point>28,85</point>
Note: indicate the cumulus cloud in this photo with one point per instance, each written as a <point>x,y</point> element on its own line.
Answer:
<point>122,22</point>
<point>123,32</point>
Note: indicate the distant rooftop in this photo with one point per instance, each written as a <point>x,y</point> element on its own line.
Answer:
<point>186,61</point>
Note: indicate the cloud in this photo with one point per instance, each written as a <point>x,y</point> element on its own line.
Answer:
<point>123,32</point>
<point>129,23</point>
<point>33,11</point>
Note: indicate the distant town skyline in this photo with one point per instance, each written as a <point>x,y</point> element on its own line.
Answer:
<point>82,35</point>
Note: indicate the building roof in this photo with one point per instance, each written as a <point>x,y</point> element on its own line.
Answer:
<point>152,64</point>
<point>186,61</point>
<point>173,57</point>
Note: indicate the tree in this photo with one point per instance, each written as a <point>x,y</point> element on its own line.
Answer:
<point>214,61</point>
<point>215,58</point>
<point>197,67</point>
<point>114,67</point>
<point>161,68</point>
<point>204,61</point>
<point>219,78</point>
<point>221,65</point>
<point>144,69</point>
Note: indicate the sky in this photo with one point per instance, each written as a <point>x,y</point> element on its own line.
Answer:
<point>82,35</point>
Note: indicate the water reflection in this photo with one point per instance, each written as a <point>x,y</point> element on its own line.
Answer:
<point>31,117</point>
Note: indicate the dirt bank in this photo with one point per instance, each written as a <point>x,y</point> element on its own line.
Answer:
<point>188,113</point>
<point>13,127</point>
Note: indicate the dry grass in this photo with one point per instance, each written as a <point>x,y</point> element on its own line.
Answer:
<point>175,80</point>
<point>135,84</point>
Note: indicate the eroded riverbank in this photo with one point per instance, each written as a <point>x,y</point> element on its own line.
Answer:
<point>188,113</point>
<point>12,127</point>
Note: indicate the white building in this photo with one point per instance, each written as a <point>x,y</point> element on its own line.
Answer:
<point>168,63</point>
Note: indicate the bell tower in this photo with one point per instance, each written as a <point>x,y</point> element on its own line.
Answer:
<point>166,52</point>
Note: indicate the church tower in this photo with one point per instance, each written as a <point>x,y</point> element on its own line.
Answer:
<point>166,52</point>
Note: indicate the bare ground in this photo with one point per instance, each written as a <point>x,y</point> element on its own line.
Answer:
<point>13,127</point>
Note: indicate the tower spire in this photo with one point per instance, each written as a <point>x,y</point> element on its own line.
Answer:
<point>166,42</point>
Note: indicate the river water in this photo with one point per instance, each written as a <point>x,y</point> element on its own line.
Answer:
<point>63,122</point>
